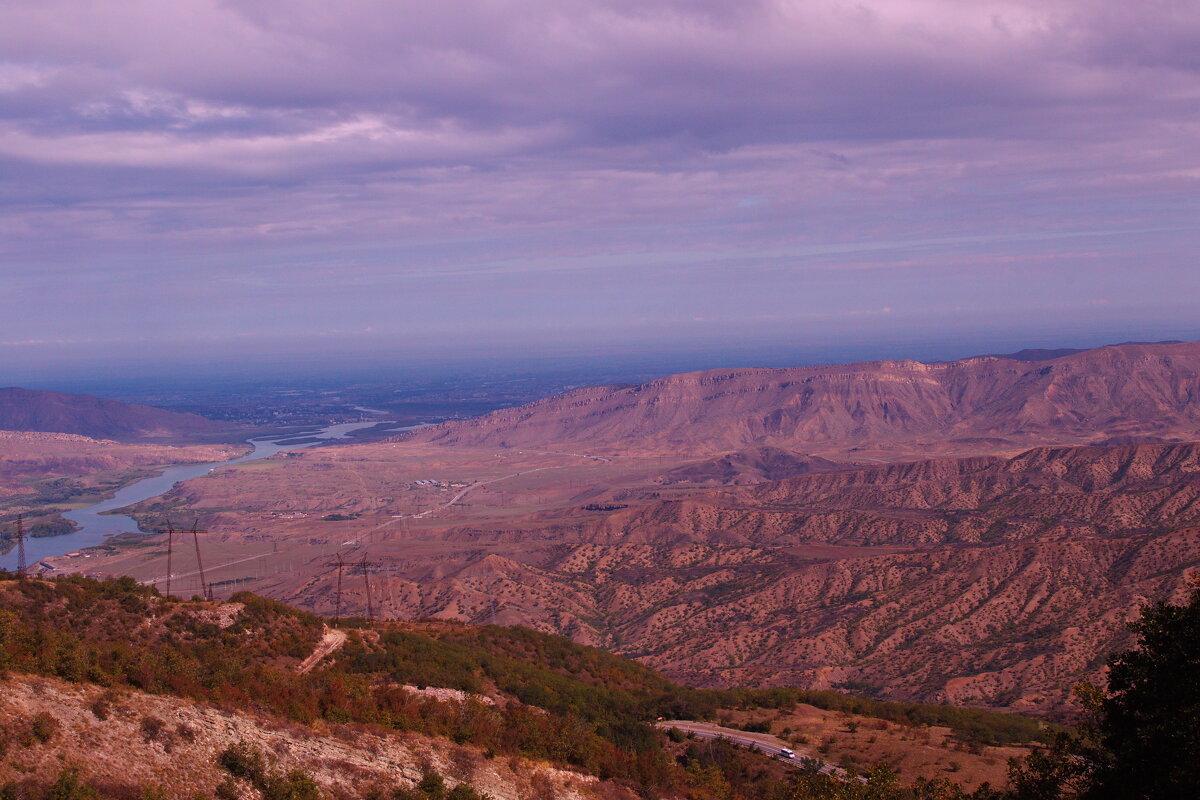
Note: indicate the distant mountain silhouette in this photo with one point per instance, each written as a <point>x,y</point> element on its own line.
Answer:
<point>1037,354</point>
<point>57,412</point>
<point>1043,354</point>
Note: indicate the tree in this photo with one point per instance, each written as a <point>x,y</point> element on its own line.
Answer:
<point>1150,721</point>
<point>1142,738</point>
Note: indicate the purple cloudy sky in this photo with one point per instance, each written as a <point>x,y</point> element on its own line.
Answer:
<point>251,177</point>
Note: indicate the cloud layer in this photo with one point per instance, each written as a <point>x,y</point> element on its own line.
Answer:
<point>556,163</point>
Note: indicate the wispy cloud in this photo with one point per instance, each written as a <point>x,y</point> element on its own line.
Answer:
<point>213,156</point>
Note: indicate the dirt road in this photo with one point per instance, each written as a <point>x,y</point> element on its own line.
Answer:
<point>331,640</point>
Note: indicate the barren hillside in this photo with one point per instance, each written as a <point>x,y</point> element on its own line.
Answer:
<point>734,528</point>
<point>28,458</point>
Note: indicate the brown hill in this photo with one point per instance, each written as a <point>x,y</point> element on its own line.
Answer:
<point>95,417</point>
<point>1134,392</point>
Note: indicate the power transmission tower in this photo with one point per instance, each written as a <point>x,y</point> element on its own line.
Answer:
<point>493,605</point>
<point>337,603</point>
<point>170,546</point>
<point>205,589</point>
<point>366,571</point>
<point>340,563</point>
<point>22,565</point>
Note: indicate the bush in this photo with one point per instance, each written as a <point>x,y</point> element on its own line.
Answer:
<point>43,727</point>
<point>432,785</point>
<point>69,787</point>
<point>102,706</point>
<point>246,762</point>
<point>152,728</point>
<point>295,785</point>
<point>243,761</point>
<point>227,790</point>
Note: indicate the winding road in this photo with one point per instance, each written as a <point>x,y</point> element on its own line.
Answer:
<point>762,742</point>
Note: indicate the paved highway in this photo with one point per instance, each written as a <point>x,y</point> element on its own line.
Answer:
<point>763,742</point>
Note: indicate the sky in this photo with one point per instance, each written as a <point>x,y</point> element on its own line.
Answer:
<point>266,182</point>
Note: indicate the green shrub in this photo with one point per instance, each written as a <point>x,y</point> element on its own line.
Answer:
<point>43,727</point>
<point>432,785</point>
<point>227,789</point>
<point>295,785</point>
<point>69,787</point>
<point>243,761</point>
<point>152,728</point>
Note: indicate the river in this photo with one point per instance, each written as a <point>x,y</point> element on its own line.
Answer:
<point>95,526</point>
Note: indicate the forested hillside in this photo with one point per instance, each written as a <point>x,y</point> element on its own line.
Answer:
<point>504,693</point>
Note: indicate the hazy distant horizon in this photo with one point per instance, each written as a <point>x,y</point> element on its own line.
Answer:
<point>240,186</point>
<point>600,362</point>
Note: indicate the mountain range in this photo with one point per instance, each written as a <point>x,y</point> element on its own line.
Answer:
<point>890,409</point>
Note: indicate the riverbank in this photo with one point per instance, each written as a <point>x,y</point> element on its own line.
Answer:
<point>96,523</point>
<point>45,475</point>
